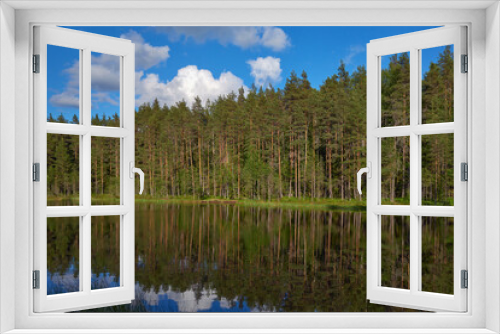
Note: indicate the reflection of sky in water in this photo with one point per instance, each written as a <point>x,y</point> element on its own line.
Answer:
<point>173,301</point>
<point>62,282</point>
<point>161,301</point>
<point>67,282</point>
<point>104,280</point>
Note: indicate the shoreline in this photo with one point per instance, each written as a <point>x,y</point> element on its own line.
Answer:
<point>334,204</point>
<point>287,202</point>
<point>329,205</point>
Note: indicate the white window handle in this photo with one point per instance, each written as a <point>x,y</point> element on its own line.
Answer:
<point>368,171</point>
<point>133,170</point>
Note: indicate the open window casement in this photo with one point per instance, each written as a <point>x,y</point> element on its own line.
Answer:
<point>397,240</point>
<point>84,217</point>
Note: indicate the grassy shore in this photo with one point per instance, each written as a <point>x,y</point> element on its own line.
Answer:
<point>285,202</point>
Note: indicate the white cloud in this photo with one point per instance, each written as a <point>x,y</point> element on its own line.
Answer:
<point>105,73</point>
<point>265,70</point>
<point>186,85</point>
<point>244,37</point>
<point>69,97</point>
<point>146,55</point>
<point>66,99</point>
<point>275,39</point>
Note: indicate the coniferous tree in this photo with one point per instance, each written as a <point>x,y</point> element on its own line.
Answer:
<point>269,143</point>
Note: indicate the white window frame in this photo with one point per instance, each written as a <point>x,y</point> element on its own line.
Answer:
<point>414,44</point>
<point>483,246</point>
<point>85,43</point>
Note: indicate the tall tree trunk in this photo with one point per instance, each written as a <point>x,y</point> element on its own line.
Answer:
<point>200,172</point>
<point>279,166</point>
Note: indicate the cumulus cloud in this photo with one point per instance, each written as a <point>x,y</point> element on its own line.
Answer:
<point>66,99</point>
<point>105,73</point>
<point>265,70</point>
<point>146,55</point>
<point>69,97</point>
<point>275,38</point>
<point>186,85</point>
<point>244,37</point>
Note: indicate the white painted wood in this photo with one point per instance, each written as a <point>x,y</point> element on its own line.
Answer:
<point>418,129</point>
<point>262,331</point>
<point>492,161</point>
<point>86,297</point>
<point>414,43</point>
<point>443,322</point>
<point>7,167</point>
<point>75,129</point>
<point>244,4</point>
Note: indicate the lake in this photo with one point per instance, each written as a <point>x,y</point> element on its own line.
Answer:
<point>231,258</point>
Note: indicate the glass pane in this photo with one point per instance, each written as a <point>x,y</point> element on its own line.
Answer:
<point>395,89</point>
<point>437,254</point>
<point>395,170</point>
<point>395,251</point>
<point>105,89</point>
<point>63,254</point>
<point>437,169</point>
<point>105,258</point>
<point>105,170</point>
<point>63,169</point>
<point>437,84</point>
<point>63,84</point>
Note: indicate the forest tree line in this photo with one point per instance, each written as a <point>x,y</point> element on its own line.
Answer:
<point>271,143</point>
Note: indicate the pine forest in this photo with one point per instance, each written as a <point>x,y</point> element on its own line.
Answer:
<point>270,144</point>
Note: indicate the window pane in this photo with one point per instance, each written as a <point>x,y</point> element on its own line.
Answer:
<point>63,169</point>
<point>395,251</point>
<point>105,252</point>
<point>63,254</point>
<point>63,85</point>
<point>105,89</point>
<point>395,170</point>
<point>437,84</point>
<point>105,170</point>
<point>437,254</point>
<point>437,169</point>
<point>395,89</point>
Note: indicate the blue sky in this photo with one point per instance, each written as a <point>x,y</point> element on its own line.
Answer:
<point>175,63</point>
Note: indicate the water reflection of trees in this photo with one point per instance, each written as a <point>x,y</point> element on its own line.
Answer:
<point>289,260</point>
<point>105,251</point>
<point>273,259</point>
<point>63,245</point>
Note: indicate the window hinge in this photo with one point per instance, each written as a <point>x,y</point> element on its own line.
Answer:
<point>464,171</point>
<point>36,172</point>
<point>36,279</point>
<point>465,63</point>
<point>465,279</point>
<point>36,63</point>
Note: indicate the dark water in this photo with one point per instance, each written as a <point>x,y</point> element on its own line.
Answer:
<point>228,258</point>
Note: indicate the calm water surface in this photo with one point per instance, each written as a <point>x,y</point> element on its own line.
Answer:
<point>228,258</point>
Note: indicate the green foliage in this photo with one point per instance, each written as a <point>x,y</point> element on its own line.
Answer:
<point>270,143</point>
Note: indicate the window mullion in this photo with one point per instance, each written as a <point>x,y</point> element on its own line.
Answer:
<point>415,259</point>
<point>85,167</point>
